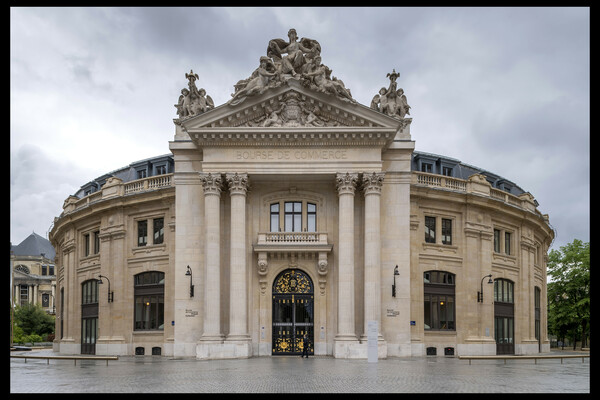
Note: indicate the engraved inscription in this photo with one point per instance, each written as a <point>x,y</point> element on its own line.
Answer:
<point>304,155</point>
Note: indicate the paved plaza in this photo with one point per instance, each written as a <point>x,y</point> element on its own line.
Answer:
<point>155,374</point>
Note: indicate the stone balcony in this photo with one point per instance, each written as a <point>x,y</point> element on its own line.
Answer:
<point>115,187</point>
<point>476,184</point>
<point>281,242</point>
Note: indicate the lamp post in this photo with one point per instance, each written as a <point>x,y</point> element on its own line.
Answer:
<point>110,294</point>
<point>394,285</point>
<point>480,294</point>
<point>189,273</point>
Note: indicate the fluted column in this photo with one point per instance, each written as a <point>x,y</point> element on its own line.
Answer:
<point>346,186</point>
<point>372,279</point>
<point>212,283</point>
<point>238,309</point>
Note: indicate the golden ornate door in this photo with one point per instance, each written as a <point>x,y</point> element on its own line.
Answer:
<point>293,312</point>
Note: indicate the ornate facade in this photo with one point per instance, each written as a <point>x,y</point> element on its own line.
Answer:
<point>294,209</point>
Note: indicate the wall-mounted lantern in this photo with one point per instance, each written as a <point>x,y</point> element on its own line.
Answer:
<point>189,273</point>
<point>480,294</point>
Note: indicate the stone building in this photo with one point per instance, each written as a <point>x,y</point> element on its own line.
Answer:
<point>33,279</point>
<point>294,209</point>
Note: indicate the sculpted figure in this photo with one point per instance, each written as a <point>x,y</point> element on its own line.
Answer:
<point>273,118</point>
<point>256,83</point>
<point>295,59</point>
<point>404,107</point>
<point>181,108</point>
<point>312,116</point>
<point>204,103</point>
<point>193,101</point>
<point>390,101</point>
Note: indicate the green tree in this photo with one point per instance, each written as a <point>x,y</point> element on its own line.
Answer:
<point>569,291</point>
<point>32,319</point>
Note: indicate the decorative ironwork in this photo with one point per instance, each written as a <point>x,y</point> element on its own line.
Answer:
<point>293,311</point>
<point>293,281</point>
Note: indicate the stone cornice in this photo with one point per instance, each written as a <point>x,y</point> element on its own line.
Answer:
<point>290,137</point>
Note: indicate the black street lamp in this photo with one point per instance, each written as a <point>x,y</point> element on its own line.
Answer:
<point>480,294</point>
<point>189,273</point>
<point>110,294</point>
<point>394,285</point>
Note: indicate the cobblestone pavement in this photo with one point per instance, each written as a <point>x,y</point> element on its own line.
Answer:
<point>154,374</point>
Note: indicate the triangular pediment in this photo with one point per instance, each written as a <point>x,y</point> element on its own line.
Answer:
<point>295,113</point>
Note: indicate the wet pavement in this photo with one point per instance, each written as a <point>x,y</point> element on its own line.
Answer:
<point>156,374</point>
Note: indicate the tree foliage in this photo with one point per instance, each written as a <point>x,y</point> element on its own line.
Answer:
<point>569,291</point>
<point>32,319</point>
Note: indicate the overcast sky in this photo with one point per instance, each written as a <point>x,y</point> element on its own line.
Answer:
<point>503,89</point>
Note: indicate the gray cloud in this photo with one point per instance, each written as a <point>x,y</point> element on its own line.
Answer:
<point>505,89</point>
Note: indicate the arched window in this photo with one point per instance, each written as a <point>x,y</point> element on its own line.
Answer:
<point>439,300</point>
<point>503,291</point>
<point>149,300</point>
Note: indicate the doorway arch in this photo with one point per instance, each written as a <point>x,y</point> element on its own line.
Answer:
<point>293,312</point>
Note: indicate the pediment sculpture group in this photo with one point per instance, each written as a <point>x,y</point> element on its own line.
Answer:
<point>285,60</point>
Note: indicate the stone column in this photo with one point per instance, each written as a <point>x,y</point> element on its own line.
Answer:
<point>212,282</point>
<point>238,307</point>
<point>346,334</point>
<point>372,279</point>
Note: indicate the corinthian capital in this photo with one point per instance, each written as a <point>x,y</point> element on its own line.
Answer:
<point>346,182</point>
<point>211,183</point>
<point>372,182</point>
<point>238,183</point>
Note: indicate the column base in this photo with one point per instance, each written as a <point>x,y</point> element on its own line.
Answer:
<point>225,350</point>
<point>346,346</point>
<point>358,349</point>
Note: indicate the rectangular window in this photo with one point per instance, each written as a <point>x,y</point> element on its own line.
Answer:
<point>142,233</point>
<point>159,234</point>
<point>141,174</point>
<point>161,170</point>
<point>51,270</point>
<point>86,244</point>
<point>426,167</point>
<point>275,217</point>
<point>96,242</point>
<point>149,312</point>
<point>496,241</point>
<point>44,269</point>
<point>24,294</point>
<point>507,237</point>
<point>446,231</point>
<point>293,216</point>
<point>447,171</point>
<point>430,229</point>
<point>311,217</point>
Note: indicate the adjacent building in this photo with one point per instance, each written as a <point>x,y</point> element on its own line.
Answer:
<point>33,279</point>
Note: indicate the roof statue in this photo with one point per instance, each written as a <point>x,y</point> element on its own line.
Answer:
<point>293,59</point>
<point>391,101</point>
<point>193,101</point>
<point>290,66</point>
